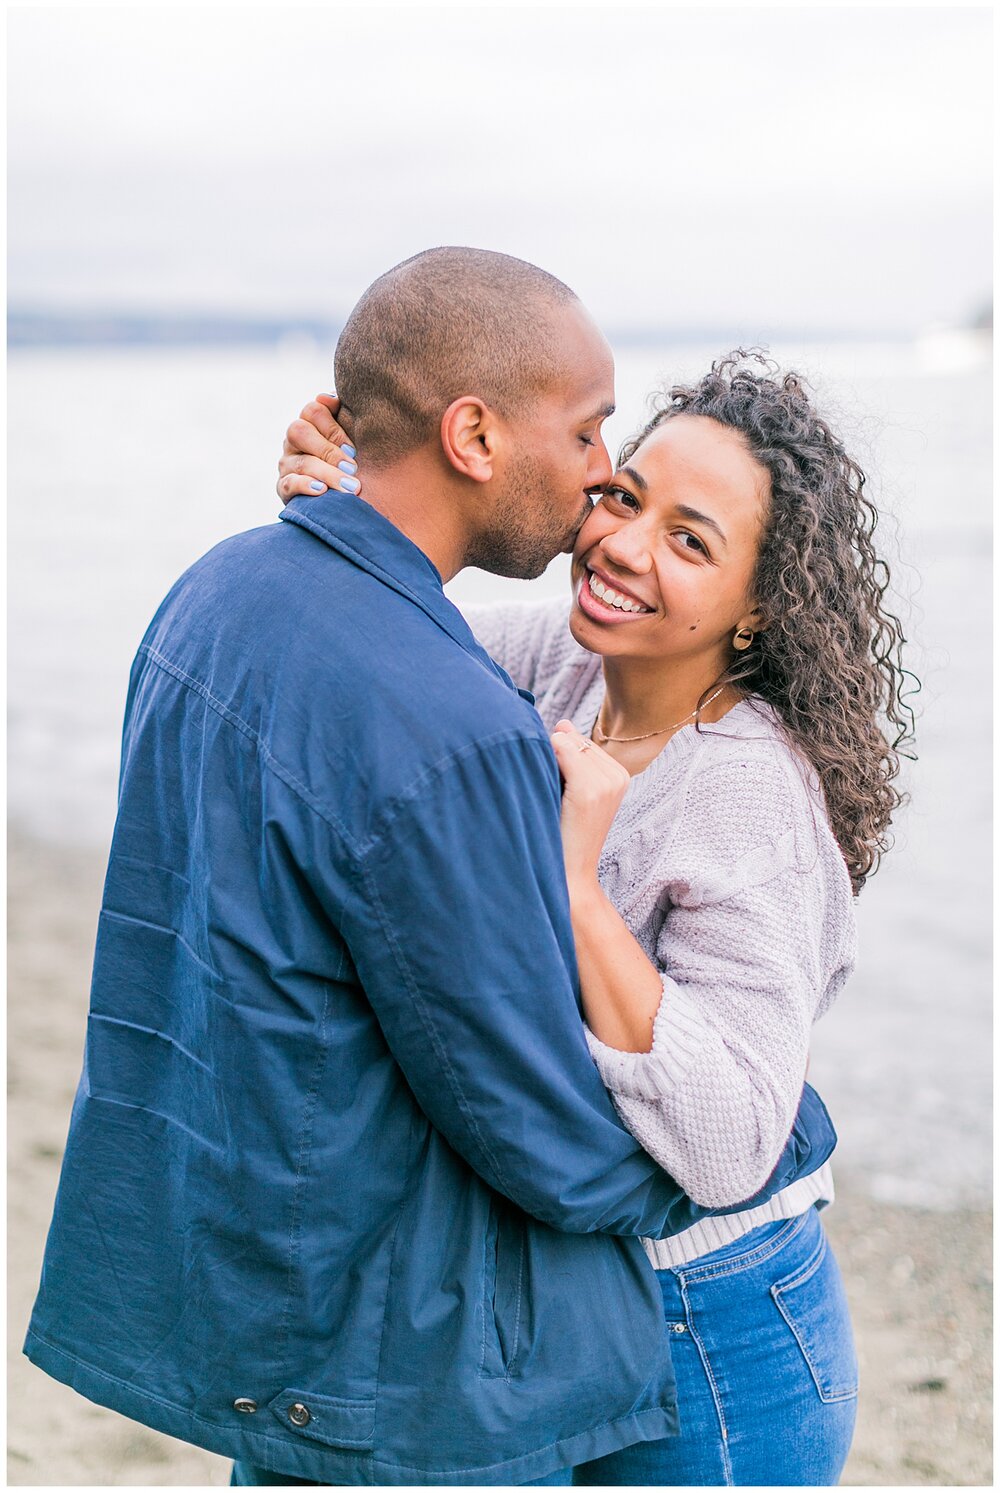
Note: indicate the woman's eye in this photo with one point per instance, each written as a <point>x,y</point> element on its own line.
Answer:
<point>622,498</point>
<point>586,440</point>
<point>695,542</point>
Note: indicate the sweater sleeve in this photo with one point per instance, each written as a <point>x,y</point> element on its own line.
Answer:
<point>527,639</point>
<point>753,937</point>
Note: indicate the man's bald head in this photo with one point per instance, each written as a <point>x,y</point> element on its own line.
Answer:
<point>446,323</point>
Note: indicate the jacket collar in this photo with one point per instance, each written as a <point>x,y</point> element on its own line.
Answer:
<point>363,536</point>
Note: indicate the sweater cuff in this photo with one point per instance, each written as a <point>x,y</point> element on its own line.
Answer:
<point>679,1033</point>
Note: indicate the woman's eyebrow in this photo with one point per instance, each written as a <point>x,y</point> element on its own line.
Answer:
<point>694,514</point>
<point>697,517</point>
<point>640,482</point>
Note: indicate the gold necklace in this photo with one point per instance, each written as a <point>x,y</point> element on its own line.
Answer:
<point>663,730</point>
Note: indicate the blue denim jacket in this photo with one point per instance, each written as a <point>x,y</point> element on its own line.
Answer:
<point>343,1195</point>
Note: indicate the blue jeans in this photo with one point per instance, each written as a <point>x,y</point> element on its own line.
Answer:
<point>767,1380</point>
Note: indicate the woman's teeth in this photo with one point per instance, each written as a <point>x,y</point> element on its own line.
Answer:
<point>612,598</point>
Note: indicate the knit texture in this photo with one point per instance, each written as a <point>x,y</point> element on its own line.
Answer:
<point>722,863</point>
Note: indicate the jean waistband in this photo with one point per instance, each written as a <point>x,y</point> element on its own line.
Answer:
<point>756,1250</point>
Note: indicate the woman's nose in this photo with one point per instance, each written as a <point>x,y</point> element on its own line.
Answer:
<point>628,548</point>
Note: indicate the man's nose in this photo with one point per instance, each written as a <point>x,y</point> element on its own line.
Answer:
<point>599,467</point>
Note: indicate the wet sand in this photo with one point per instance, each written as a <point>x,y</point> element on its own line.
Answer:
<point>919,1282</point>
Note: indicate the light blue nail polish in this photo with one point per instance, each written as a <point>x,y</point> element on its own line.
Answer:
<point>350,467</point>
<point>349,451</point>
<point>318,486</point>
<point>349,484</point>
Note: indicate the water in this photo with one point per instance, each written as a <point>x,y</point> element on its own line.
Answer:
<point>125,466</point>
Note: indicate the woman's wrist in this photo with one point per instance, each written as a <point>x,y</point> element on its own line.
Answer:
<point>585,891</point>
<point>621,988</point>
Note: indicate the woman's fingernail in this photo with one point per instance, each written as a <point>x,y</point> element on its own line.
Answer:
<point>318,486</point>
<point>349,451</point>
<point>350,467</point>
<point>349,484</point>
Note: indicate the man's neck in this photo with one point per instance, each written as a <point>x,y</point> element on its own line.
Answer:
<point>417,505</point>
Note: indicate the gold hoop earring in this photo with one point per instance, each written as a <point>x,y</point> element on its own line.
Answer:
<point>743,639</point>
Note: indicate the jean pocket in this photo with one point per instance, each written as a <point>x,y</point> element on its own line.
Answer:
<point>814,1305</point>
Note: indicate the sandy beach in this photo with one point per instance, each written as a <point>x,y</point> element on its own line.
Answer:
<point>919,1281</point>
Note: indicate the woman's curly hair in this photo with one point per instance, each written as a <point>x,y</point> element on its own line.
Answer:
<point>829,656</point>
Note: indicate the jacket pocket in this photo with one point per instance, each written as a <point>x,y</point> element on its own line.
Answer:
<point>503,1284</point>
<point>338,1422</point>
<point>813,1303</point>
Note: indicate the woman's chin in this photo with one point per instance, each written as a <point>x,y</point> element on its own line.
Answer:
<point>585,631</point>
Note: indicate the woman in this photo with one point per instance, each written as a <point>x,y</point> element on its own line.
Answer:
<point>714,706</point>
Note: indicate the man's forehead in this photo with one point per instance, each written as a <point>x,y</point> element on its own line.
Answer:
<point>604,410</point>
<point>581,379</point>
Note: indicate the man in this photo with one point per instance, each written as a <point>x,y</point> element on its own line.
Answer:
<point>343,1196</point>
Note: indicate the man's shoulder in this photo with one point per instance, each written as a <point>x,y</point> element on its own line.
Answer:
<point>275,592</point>
<point>357,690</point>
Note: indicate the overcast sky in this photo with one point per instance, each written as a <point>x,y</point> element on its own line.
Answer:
<point>761,167</point>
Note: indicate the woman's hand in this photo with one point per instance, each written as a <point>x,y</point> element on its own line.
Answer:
<point>620,986</point>
<point>317,454</point>
<point>595,786</point>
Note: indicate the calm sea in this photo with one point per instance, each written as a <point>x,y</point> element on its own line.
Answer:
<point>126,465</point>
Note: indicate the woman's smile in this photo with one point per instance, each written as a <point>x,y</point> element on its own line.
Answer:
<point>604,599</point>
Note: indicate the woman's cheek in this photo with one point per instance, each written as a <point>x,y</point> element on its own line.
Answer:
<point>594,529</point>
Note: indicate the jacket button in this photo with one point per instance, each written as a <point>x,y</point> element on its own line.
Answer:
<point>677,1327</point>
<point>247,1406</point>
<point>299,1415</point>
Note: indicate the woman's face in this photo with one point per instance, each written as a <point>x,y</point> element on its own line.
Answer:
<point>674,541</point>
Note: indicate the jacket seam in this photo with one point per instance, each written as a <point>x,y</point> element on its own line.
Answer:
<point>385,577</point>
<point>280,771</point>
<point>630,1415</point>
<point>124,917</point>
<point>217,1425</point>
<point>489,1310</point>
<point>394,807</point>
<point>516,1334</point>
<point>301,1165</point>
<point>285,1440</point>
<point>388,1279</point>
<point>401,801</point>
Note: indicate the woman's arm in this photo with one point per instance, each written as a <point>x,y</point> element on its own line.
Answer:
<point>620,986</point>
<point>705,1049</point>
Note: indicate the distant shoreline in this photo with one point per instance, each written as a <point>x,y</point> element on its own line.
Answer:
<point>49,327</point>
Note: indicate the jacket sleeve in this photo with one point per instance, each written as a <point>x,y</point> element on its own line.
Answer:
<point>461,936</point>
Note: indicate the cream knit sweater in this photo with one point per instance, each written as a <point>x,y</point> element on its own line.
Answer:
<point>722,862</point>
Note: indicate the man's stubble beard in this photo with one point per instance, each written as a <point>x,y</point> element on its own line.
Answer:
<point>522,540</point>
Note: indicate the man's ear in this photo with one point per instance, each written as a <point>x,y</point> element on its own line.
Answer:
<point>469,437</point>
